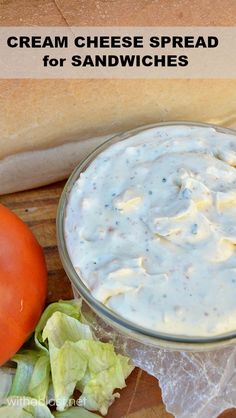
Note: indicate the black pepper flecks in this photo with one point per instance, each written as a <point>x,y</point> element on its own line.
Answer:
<point>186,193</point>
<point>194,229</point>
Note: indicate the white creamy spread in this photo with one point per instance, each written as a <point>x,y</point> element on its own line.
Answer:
<point>151,229</point>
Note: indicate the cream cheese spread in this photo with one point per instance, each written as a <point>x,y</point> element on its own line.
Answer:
<point>150,227</point>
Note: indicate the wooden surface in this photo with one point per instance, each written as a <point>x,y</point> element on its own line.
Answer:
<point>142,396</point>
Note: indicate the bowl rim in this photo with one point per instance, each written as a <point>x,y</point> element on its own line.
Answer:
<point>77,282</point>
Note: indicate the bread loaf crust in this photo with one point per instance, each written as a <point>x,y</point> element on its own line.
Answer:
<point>56,116</point>
<point>118,13</point>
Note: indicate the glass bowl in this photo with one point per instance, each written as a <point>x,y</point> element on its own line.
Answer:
<point>123,326</point>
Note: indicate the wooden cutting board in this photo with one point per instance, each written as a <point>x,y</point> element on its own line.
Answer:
<point>142,396</point>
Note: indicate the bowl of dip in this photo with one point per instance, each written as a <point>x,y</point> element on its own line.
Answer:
<point>146,234</point>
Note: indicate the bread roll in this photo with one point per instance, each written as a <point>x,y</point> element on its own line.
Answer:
<point>118,13</point>
<point>48,126</point>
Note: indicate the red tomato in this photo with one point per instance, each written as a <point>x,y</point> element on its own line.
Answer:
<point>23,283</point>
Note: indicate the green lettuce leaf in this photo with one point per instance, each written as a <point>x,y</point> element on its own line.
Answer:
<point>32,374</point>
<point>68,366</point>
<point>11,412</point>
<point>61,327</point>
<point>106,372</point>
<point>75,412</point>
<point>61,331</point>
<point>79,361</point>
<point>67,356</point>
<point>40,379</point>
<point>6,378</point>
<point>71,308</point>
<point>26,360</point>
<point>24,407</point>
